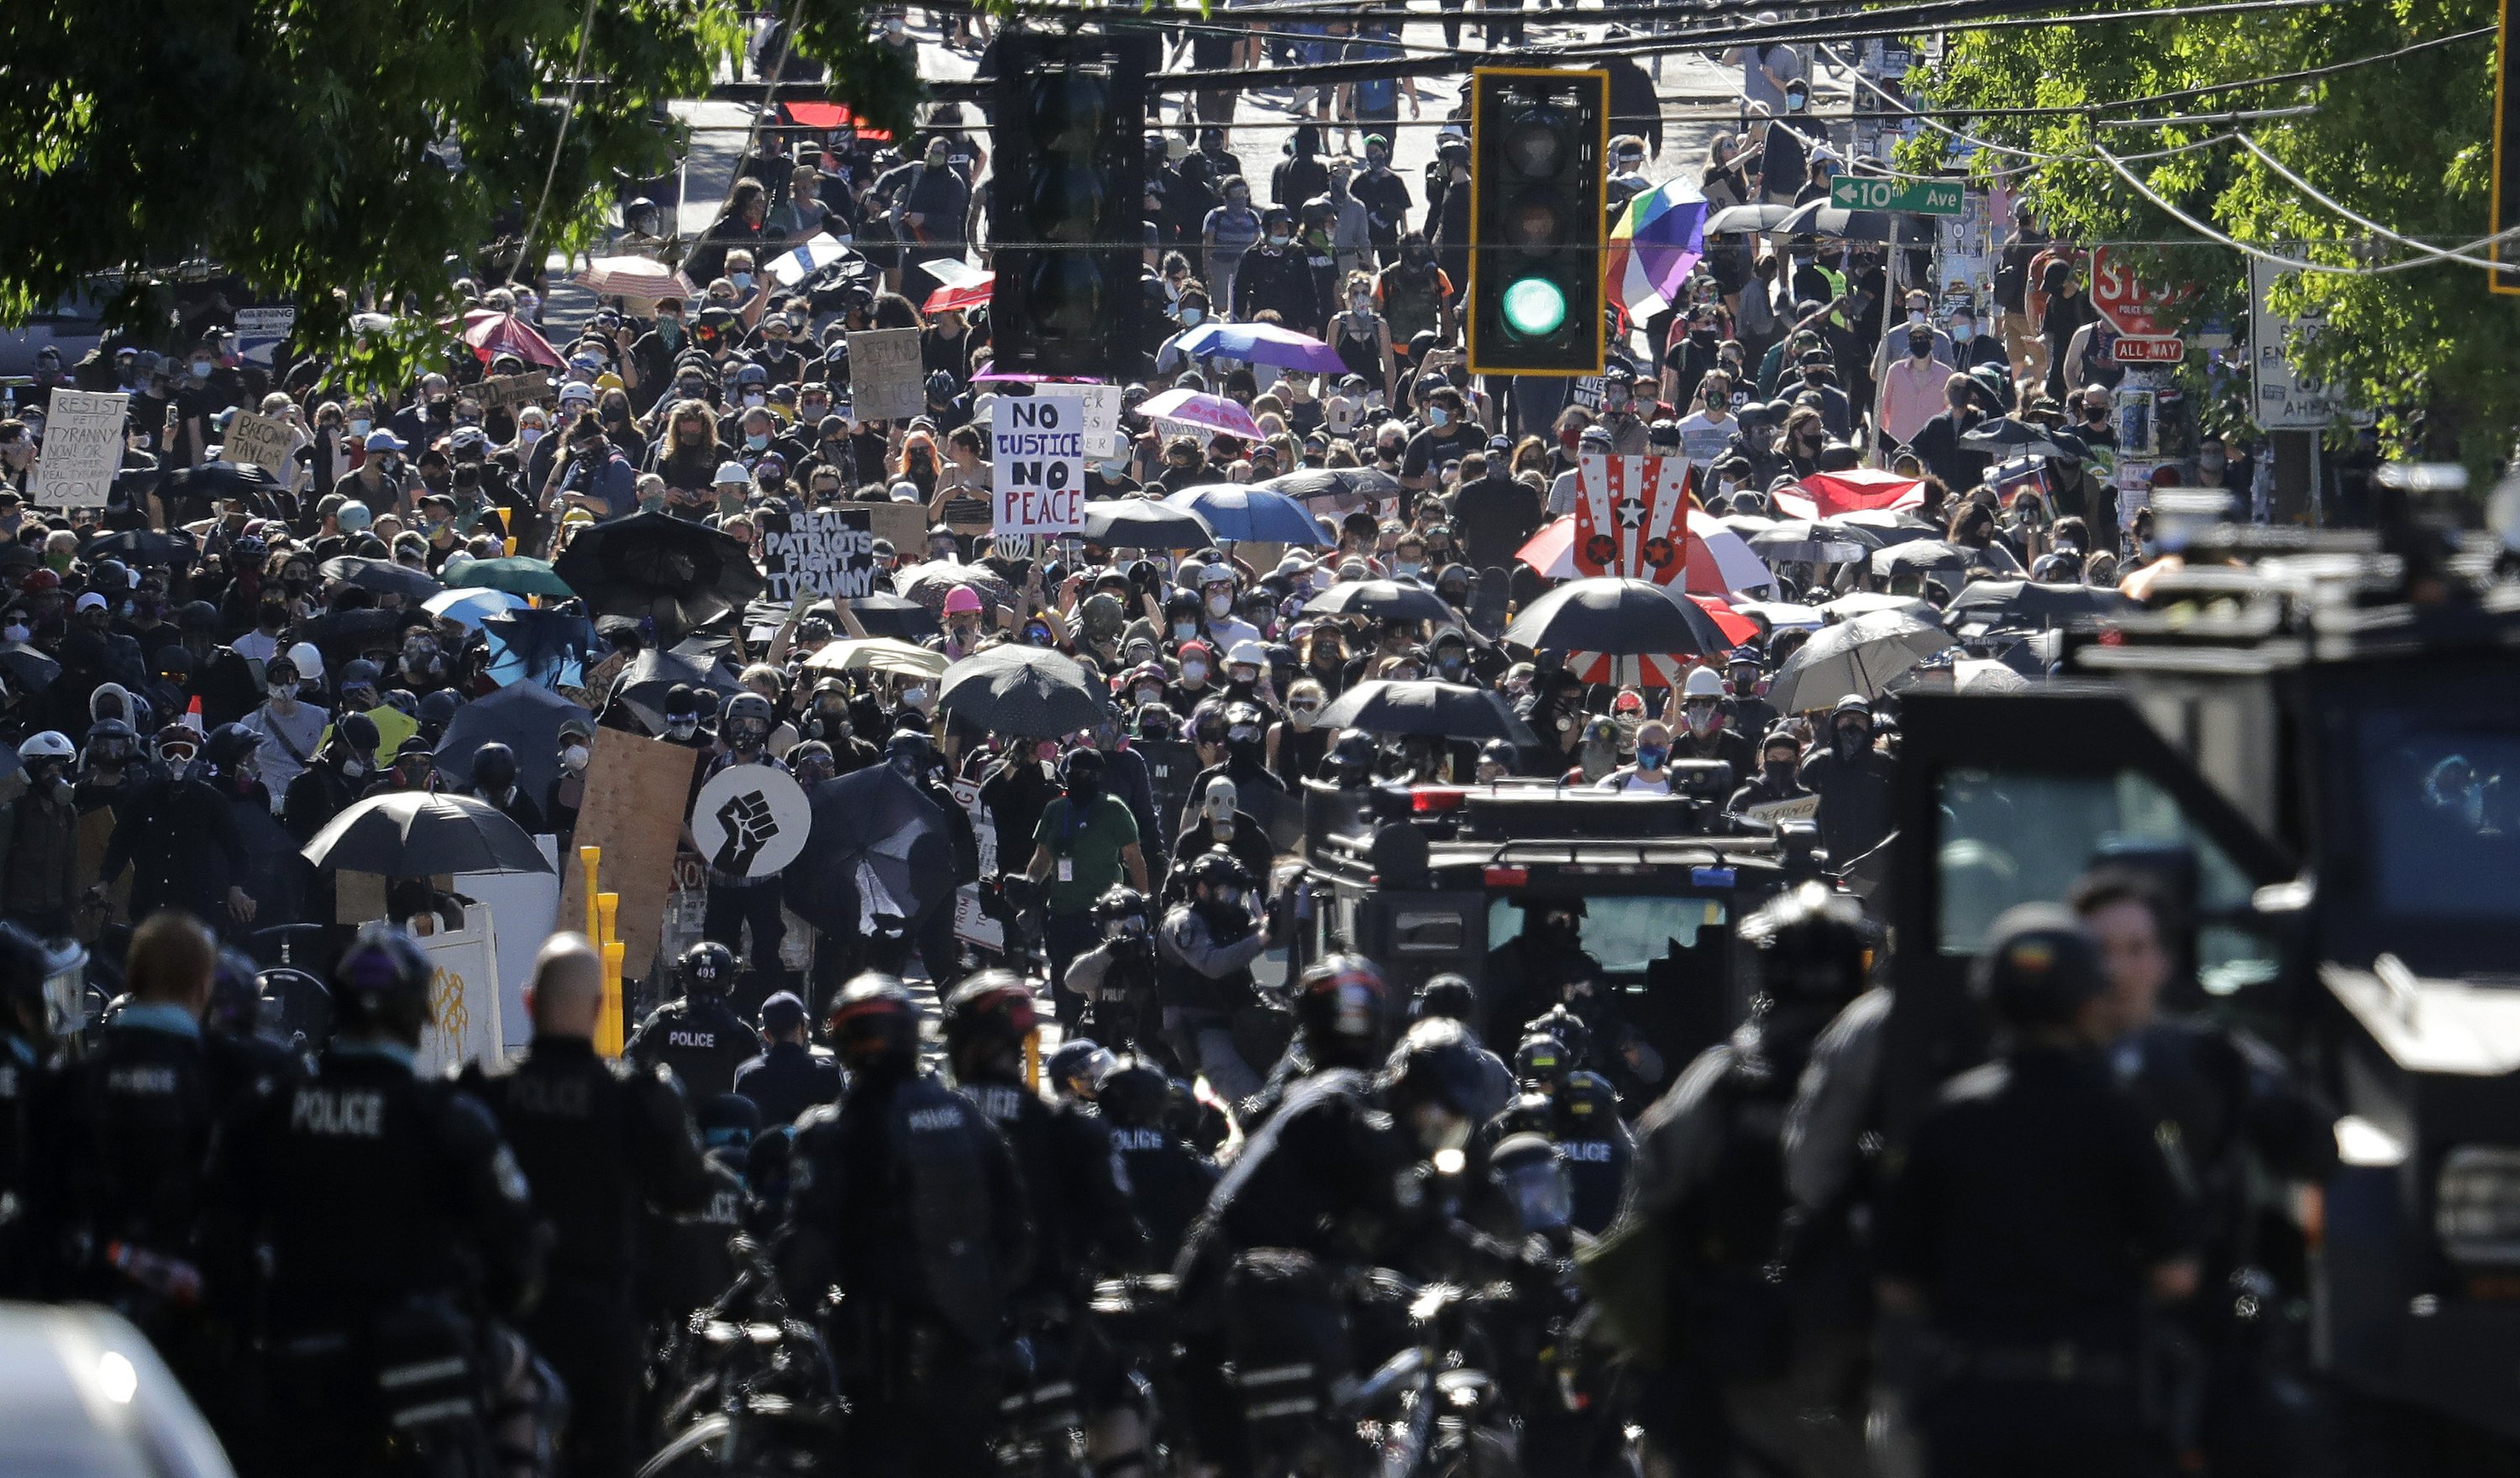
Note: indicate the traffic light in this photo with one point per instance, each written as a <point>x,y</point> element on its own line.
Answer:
<point>2506,153</point>
<point>1540,140</point>
<point>1068,200</point>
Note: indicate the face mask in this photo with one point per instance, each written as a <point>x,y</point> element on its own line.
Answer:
<point>1406,567</point>
<point>682,728</point>
<point>1150,696</point>
<point>1360,302</point>
<point>756,441</point>
<point>1182,631</point>
<point>1919,347</point>
<point>1278,238</point>
<point>1218,606</point>
<point>1802,258</point>
<point>1452,668</point>
<point>2209,464</point>
<point>754,398</point>
<point>1915,315</point>
<point>1190,317</point>
<point>1651,756</point>
<point>1116,467</point>
<point>1702,720</point>
<point>1778,771</point>
<point>1196,672</point>
<point>202,369</point>
<point>1849,740</point>
<point>1437,416</point>
<point>359,426</point>
<point>354,768</point>
<point>15,633</point>
<point>916,698</point>
<point>282,692</point>
<point>742,281</point>
<point>575,757</point>
<point>1964,333</point>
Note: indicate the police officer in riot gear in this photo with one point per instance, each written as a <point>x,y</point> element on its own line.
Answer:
<point>907,1198</point>
<point>2031,1220</point>
<point>1340,1021</point>
<point>1450,997</point>
<point>26,1046</point>
<point>792,1075</point>
<point>1709,1163</point>
<point>601,1143</point>
<point>1167,1181</point>
<point>1117,978</point>
<point>1203,956</point>
<point>377,1221</point>
<point>700,1036</point>
<point>1083,1225</point>
<point>1597,1146</point>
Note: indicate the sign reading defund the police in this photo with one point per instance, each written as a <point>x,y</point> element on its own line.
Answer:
<point>1038,462</point>
<point>830,553</point>
<point>749,820</point>
<point>83,446</point>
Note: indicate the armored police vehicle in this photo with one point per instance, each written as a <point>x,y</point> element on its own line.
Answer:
<point>2317,745</point>
<point>1532,889</point>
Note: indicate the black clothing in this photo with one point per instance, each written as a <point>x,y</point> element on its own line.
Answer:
<point>1168,1184</point>
<point>1854,800</point>
<point>128,1131</point>
<point>1496,517</point>
<point>1727,744</point>
<point>701,1038</point>
<point>1327,1175</point>
<point>1280,278</point>
<point>789,1079</point>
<point>181,843</point>
<point>1081,1222</point>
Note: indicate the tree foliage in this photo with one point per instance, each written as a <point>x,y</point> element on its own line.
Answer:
<point>2407,143</point>
<point>319,150</point>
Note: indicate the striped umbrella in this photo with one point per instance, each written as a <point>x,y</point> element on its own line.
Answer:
<point>1653,244</point>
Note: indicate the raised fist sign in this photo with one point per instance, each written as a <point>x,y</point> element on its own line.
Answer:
<point>750,827</point>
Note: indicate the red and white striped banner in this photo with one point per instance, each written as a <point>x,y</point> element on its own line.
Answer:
<point>1632,517</point>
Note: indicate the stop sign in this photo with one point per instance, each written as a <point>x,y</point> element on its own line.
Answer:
<point>2132,307</point>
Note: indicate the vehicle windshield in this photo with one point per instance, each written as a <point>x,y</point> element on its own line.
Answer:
<point>2443,809</point>
<point>1626,934</point>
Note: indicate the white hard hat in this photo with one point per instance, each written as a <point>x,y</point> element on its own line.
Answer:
<point>1247,653</point>
<point>1703,683</point>
<point>310,662</point>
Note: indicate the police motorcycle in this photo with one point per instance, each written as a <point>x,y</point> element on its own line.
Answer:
<point>750,1386</point>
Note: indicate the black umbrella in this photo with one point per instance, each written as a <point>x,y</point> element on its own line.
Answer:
<point>2029,603</point>
<point>523,716</point>
<point>358,631</point>
<point>1801,541</point>
<point>142,546</point>
<point>1838,222</point>
<point>1918,558</point>
<point>1749,219</point>
<point>876,844</point>
<point>1030,692</point>
<point>384,576</point>
<point>896,616</point>
<point>544,641</point>
<point>27,668</point>
<point>1617,617</point>
<point>1383,600</point>
<point>1448,710</point>
<point>1140,524</point>
<point>420,834</point>
<point>683,574</point>
<point>1335,482</point>
<point>654,672</point>
<point>219,481</point>
<point>2008,438</point>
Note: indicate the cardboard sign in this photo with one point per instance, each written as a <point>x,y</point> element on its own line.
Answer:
<point>1037,472</point>
<point>1101,420</point>
<point>888,379</point>
<point>463,1015</point>
<point>751,820</point>
<point>984,825</point>
<point>1800,808</point>
<point>504,391</point>
<point>973,925</point>
<point>902,524</point>
<point>1632,517</point>
<point>263,440</point>
<point>83,448</point>
<point>635,790</point>
<point>259,332</point>
<point>831,552</point>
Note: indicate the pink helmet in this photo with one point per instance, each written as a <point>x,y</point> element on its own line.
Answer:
<point>962,598</point>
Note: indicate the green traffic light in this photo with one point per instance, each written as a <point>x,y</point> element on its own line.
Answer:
<point>1534,307</point>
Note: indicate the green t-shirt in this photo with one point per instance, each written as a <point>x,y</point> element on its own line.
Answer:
<point>1093,845</point>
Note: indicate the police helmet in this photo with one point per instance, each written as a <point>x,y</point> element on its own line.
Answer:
<point>1351,757</point>
<point>987,1016</point>
<point>1541,1062</point>
<point>1437,1064</point>
<point>1525,1166</point>
<point>1123,913</point>
<point>1569,1030</point>
<point>1499,753</point>
<point>1222,873</point>
<point>1340,1004</point>
<point>2039,968</point>
<point>1447,997</point>
<point>236,995</point>
<point>1132,1094</point>
<point>1589,1101</point>
<point>706,969</point>
<point>1078,1060</point>
<point>494,766</point>
<point>381,984</point>
<point>1813,945</point>
<point>875,1025</point>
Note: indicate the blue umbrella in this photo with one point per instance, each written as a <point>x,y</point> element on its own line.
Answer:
<point>1262,343</point>
<point>1241,513</point>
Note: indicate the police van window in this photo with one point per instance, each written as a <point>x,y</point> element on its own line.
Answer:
<point>2443,809</point>
<point>1625,934</point>
<point>2019,836</point>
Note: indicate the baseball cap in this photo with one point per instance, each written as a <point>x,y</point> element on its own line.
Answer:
<point>88,602</point>
<point>384,441</point>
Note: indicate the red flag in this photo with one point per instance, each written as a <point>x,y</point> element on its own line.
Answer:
<point>1849,492</point>
<point>1632,517</point>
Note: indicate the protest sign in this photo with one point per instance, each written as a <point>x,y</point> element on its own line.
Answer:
<point>464,1017</point>
<point>266,441</point>
<point>633,810</point>
<point>1038,468</point>
<point>971,923</point>
<point>1800,808</point>
<point>829,552</point>
<point>902,524</point>
<point>260,330</point>
<point>524,910</point>
<point>83,446</point>
<point>886,378</point>
<point>1631,517</point>
<point>504,390</point>
<point>750,821</point>
<point>1101,420</point>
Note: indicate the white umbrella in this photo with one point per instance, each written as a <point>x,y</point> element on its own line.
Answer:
<point>1858,656</point>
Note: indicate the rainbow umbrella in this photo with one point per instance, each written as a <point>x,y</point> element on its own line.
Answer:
<point>1654,244</point>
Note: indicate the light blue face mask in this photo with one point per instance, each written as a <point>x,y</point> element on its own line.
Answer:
<point>756,441</point>
<point>1437,416</point>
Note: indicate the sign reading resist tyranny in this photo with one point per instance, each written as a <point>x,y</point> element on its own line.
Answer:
<point>1038,465</point>
<point>830,553</point>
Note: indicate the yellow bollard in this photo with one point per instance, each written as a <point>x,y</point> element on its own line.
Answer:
<point>511,544</point>
<point>1032,1061</point>
<point>608,909</point>
<point>613,1028</point>
<point>587,858</point>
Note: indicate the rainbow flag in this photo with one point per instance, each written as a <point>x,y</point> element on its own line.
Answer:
<point>1654,242</point>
